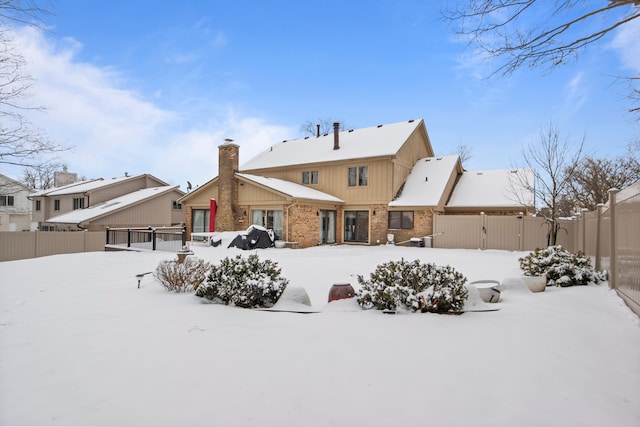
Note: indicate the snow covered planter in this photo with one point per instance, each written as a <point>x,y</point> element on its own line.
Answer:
<point>183,276</point>
<point>413,286</point>
<point>561,267</point>
<point>244,282</point>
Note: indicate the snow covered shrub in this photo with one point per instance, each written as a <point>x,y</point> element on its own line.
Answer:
<point>244,282</point>
<point>413,286</point>
<point>561,267</point>
<point>182,277</point>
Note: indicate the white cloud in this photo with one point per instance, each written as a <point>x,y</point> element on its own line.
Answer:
<point>576,93</point>
<point>627,46</point>
<point>114,129</point>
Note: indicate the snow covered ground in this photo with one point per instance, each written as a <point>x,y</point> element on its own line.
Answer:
<point>80,344</point>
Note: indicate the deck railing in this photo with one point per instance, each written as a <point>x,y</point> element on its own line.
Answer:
<point>170,239</point>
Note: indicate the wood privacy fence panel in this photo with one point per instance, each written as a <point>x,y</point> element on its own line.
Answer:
<point>627,246</point>
<point>457,231</point>
<point>535,232</point>
<point>491,232</point>
<point>32,244</point>
<point>503,232</point>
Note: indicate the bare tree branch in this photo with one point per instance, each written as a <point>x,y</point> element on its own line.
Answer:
<point>553,164</point>
<point>538,33</point>
<point>325,126</point>
<point>21,143</point>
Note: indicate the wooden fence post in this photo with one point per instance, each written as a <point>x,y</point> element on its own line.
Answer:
<point>614,252</point>
<point>598,255</point>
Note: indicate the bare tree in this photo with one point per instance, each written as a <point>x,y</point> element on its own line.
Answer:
<point>21,143</point>
<point>42,177</point>
<point>553,163</point>
<point>536,33</point>
<point>593,178</point>
<point>464,151</point>
<point>322,126</point>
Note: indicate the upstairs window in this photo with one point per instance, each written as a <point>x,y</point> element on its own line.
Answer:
<point>358,176</point>
<point>78,203</point>
<point>56,205</point>
<point>176,205</point>
<point>37,205</point>
<point>6,201</point>
<point>310,177</point>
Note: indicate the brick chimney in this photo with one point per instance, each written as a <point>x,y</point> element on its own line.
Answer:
<point>336,137</point>
<point>227,186</point>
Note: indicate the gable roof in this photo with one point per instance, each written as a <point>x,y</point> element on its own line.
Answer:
<point>376,141</point>
<point>492,188</point>
<point>6,181</point>
<point>289,188</point>
<point>89,185</point>
<point>119,203</point>
<point>427,182</point>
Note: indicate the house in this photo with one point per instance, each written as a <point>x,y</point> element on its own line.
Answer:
<point>15,207</point>
<point>354,186</point>
<point>129,201</point>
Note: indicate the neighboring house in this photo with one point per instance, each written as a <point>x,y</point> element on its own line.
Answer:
<point>15,207</point>
<point>354,186</point>
<point>129,201</point>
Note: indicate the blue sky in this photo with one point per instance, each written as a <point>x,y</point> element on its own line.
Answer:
<point>155,87</point>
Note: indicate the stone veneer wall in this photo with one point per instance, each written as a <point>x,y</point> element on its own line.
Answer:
<point>187,222</point>
<point>227,187</point>
<point>303,225</point>
<point>422,226</point>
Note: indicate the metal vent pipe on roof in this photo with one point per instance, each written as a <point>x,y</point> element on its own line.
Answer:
<point>336,137</point>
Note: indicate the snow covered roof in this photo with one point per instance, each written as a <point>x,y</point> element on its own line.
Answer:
<point>492,188</point>
<point>82,215</point>
<point>376,141</point>
<point>82,186</point>
<point>427,181</point>
<point>290,188</point>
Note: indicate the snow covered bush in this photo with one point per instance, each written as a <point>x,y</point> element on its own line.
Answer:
<point>561,267</point>
<point>244,282</point>
<point>182,277</point>
<point>413,286</point>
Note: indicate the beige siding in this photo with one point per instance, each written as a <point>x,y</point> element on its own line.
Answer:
<point>153,213</point>
<point>201,198</point>
<point>416,147</point>
<point>255,195</point>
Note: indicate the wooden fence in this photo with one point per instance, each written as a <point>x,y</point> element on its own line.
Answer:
<point>610,236</point>
<point>32,244</point>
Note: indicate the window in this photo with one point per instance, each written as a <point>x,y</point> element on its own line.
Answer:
<point>363,172</point>
<point>6,200</point>
<point>37,205</point>
<point>271,219</point>
<point>176,205</point>
<point>78,203</point>
<point>401,220</point>
<point>327,226</point>
<point>356,226</point>
<point>358,176</point>
<point>200,221</point>
<point>310,177</point>
<point>56,205</point>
